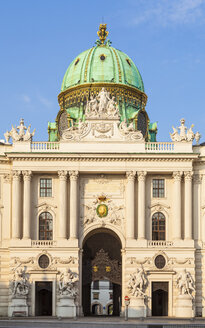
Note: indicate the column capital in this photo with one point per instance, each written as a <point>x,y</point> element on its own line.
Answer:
<point>27,175</point>
<point>130,175</point>
<point>62,175</point>
<point>7,178</point>
<point>141,175</point>
<point>16,175</point>
<point>188,175</point>
<point>177,175</point>
<point>197,178</point>
<point>73,175</point>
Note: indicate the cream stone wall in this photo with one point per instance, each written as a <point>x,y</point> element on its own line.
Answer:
<point>125,179</point>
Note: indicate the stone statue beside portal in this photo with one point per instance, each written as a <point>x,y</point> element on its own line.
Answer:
<point>138,283</point>
<point>20,285</point>
<point>67,283</point>
<point>185,283</point>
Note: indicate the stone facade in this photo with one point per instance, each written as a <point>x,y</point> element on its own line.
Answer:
<point>125,180</point>
<point>102,203</point>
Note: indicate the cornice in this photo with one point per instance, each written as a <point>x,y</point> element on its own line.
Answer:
<point>98,157</point>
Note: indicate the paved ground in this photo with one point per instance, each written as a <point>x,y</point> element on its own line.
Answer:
<point>101,323</point>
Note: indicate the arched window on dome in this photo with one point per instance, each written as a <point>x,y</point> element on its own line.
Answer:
<point>158,226</point>
<point>45,226</point>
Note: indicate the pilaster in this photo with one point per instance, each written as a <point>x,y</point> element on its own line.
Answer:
<point>141,204</point>
<point>177,206</point>
<point>62,226</point>
<point>130,218</point>
<point>27,175</point>
<point>16,208</point>
<point>73,204</point>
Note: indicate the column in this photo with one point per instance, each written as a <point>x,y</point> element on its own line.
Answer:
<point>16,208</point>
<point>7,192</point>
<point>177,206</point>
<point>141,204</point>
<point>197,179</point>
<point>73,203</point>
<point>188,205</point>
<point>62,227</point>
<point>27,204</point>
<point>130,217</point>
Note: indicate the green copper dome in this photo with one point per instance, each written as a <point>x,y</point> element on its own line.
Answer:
<point>102,63</point>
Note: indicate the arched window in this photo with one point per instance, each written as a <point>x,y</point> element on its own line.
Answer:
<point>158,226</point>
<point>45,226</point>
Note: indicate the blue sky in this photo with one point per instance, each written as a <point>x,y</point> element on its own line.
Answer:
<point>165,39</point>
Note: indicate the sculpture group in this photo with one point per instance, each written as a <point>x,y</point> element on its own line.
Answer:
<point>102,105</point>
<point>185,283</point>
<point>19,133</point>
<point>20,283</point>
<point>183,134</point>
<point>138,283</point>
<point>67,283</point>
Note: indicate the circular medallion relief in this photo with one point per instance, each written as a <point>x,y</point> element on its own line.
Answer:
<point>43,261</point>
<point>102,210</point>
<point>160,262</point>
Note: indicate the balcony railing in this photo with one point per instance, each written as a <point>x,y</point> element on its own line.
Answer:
<point>147,147</point>
<point>44,146</point>
<point>159,243</point>
<point>43,243</point>
<point>162,147</point>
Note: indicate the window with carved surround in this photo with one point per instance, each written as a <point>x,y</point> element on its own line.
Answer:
<point>158,226</point>
<point>158,188</point>
<point>45,226</point>
<point>45,187</point>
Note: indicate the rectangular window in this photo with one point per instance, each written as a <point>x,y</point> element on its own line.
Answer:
<point>158,188</point>
<point>95,296</point>
<point>46,187</point>
<point>96,284</point>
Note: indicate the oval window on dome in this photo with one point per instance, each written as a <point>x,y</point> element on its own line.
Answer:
<point>77,61</point>
<point>128,61</point>
<point>102,57</point>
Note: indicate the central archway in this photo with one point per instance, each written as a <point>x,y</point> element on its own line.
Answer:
<point>101,273</point>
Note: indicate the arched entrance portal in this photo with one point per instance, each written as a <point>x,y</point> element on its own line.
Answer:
<point>101,273</point>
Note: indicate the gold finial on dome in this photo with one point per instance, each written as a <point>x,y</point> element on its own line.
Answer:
<point>102,33</point>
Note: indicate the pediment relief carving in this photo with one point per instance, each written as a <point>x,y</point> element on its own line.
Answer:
<point>170,262</point>
<point>158,207</point>
<point>45,206</point>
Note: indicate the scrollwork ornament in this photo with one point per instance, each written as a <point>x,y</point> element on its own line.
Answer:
<point>62,175</point>
<point>177,175</point>
<point>27,175</point>
<point>141,175</point>
<point>188,175</point>
<point>7,178</point>
<point>73,175</point>
<point>130,175</point>
<point>16,175</point>
<point>197,178</point>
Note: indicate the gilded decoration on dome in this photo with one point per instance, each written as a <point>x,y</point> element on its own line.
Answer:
<point>102,33</point>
